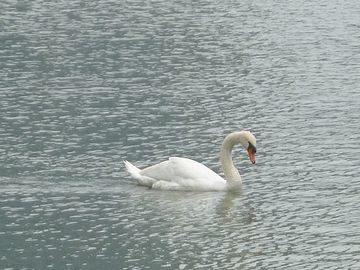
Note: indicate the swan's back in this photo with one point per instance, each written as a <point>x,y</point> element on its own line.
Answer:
<point>181,173</point>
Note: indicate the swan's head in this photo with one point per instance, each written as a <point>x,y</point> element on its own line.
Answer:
<point>248,141</point>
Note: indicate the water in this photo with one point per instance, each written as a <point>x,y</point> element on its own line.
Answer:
<point>85,85</point>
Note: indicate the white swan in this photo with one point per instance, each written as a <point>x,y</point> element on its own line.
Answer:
<point>186,174</point>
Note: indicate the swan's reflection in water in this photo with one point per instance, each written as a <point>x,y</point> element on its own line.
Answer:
<point>227,208</point>
<point>203,210</point>
<point>220,207</point>
<point>228,201</point>
<point>197,227</point>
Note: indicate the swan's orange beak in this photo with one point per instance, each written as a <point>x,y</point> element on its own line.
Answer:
<point>252,153</point>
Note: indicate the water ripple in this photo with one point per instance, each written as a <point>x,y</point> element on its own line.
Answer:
<point>86,85</point>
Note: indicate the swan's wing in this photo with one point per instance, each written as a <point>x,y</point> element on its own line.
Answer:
<point>186,173</point>
<point>188,168</point>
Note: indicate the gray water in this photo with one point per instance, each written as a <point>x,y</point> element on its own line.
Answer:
<point>86,84</point>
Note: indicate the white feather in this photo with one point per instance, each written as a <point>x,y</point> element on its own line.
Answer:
<point>186,174</point>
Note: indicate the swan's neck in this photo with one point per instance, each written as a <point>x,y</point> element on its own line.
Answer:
<point>230,172</point>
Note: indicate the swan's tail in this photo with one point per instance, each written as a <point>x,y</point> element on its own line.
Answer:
<point>134,172</point>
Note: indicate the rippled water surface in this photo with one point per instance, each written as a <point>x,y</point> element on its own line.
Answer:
<point>84,85</point>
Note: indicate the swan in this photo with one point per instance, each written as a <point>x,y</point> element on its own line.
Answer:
<point>186,174</point>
